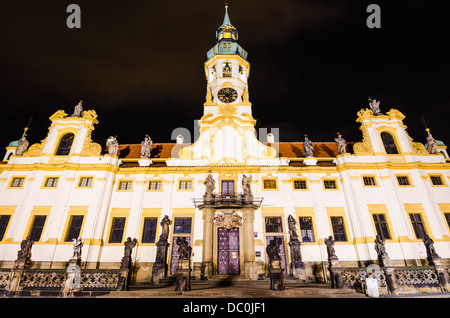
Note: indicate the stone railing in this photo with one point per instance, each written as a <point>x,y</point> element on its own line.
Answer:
<point>50,282</point>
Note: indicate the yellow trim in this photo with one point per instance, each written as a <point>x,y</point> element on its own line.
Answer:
<point>12,180</point>
<point>339,212</point>
<point>441,175</point>
<point>306,212</point>
<point>376,185</point>
<point>73,211</point>
<point>43,186</point>
<point>37,211</point>
<point>62,132</point>
<point>417,208</point>
<point>155,180</point>
<point>126,179</point>
<point>117,213</point>
<point>445,209</point>
<point>185,179</point>
<point>7,210</point>
<point>300,179</point>
<point>79,180</point>
<point>149,213</point>
<point>381,209</point>
<point>270,178</point>
<point>411,184</point>
<point>329,178</point>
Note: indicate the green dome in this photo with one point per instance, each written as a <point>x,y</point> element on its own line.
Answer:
<point>14,143</point>
<point>440,143</point>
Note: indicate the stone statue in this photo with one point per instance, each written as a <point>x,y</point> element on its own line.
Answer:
<point>165,222</point>
<point>340,142</point>
<point>184,250</point>
<point>292,228</point>
<point>77,247</point>
<point>432,145</point>
<point>308,148</point>
<point>229,219</point>
<point>146,147</point>
<point>375,107</point>
<point>330,248</point>
<point>273,249</point>
<point>113,145</point>
<point>246,186</point>
<point>429,245</point>
<point>210,186</point>
<point>129,245</point>
<point>25,249</point>
<point>380,247</point>
<point>22,146</point>
<point>77,110</point>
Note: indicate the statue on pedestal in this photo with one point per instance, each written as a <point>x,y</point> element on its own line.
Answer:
<point>380,248</point>
<point>340,142</point>
<point>330,248</point>
<point>77,110</point>
<point>375,107</point>
<point>24,254</point>
<point>210,186</point>
<point>308,147</point>
<point>432,145</point>
<point>431,251</point>
<point>113,145</point>
<point>22,146</point>
<point>292,225</point>
<point>159,269</point>
<point>77,247</point>
<point>246,186</point>
<point>146,147</point>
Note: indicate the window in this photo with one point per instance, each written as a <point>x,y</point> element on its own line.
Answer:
<point>185,185</point>
<point>270,184</point>
<point>306,229</point>
<point>226,70</point>
<point>17,182</point>
<point>416,221</point>
<point>65,144</point>
<point>273,225</point>
<point>125,185</point>
<point>389,143</point>
<point>381,226</point>
<point>447,218</point>
<point>154,185</point>
<point>85,182</point>
<point>182,226</point>
<point>76,221</point>
<point>37,227</point>
<point>4,220</point>
<point>436,180</point>
<point>337,223</point>
<point>403,181</point>
<point>369,181</point>
<point>300,184</point>
<point>149,233</point>
<point>329,184</point>
<point>118,226</point>
<point>51,182</point>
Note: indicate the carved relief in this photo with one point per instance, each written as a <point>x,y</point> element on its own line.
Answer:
<point>364,147</point>
<point>90,149</point>
<point>228,219</point>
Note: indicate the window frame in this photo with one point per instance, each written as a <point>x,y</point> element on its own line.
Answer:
<point>328,180</point>
<point>339,212</point>
<point>300,189</point>
<point>58,145</point>
<point>185,180</point>
<point>440,176</point>
<point>119,183</point>
<point>45,184</point>
<point>270,180</point>
<point>397,176</point>
<point>374,178</point>
<point>10,185</point>
<point>89,186</point>
<point>117,213</point>
<point>155,181</point>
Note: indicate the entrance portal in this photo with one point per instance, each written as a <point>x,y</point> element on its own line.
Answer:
<point>228,251</point>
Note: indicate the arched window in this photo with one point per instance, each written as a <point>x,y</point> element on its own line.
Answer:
<point>389,143</point>
<point>65,144</point>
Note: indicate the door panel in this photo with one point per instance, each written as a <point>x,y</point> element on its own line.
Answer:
<point>228,251</point>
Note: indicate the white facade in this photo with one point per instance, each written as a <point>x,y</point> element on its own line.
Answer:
<point>227,148</point>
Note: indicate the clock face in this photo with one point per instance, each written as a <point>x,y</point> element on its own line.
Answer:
<point>227,95</point>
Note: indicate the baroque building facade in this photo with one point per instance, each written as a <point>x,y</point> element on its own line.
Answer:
<point>228,193</point>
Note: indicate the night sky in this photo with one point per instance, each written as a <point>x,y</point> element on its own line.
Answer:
<point>139,65</point>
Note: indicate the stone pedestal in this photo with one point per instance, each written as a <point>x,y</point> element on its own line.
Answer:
<point>310,161</point>
<point>335,273</point>
<point>144,162</point>
<point>183,282</point>
<point>159,269</point>
<point>442,273</point>
<point>297,265</point>
<point>276,272</point>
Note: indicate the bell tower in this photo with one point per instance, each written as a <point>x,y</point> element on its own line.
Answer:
<point>227,71</point>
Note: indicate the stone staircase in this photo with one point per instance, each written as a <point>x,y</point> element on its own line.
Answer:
<point>234,288</point>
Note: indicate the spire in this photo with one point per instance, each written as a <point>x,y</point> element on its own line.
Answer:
<point>226,19</point>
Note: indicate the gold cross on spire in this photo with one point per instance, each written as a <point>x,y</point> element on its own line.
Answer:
<point>226,4</point>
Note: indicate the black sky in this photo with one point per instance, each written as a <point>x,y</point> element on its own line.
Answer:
<point>139,65</point>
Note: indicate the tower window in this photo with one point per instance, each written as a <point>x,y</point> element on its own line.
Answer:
<point>389,143</point>
<point>226,70</point>
<point>65,144</point>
